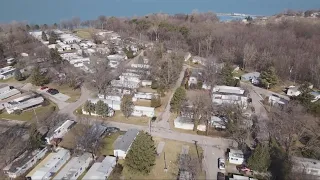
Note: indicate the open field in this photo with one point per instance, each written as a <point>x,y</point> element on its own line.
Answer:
<point>84,33</point>
<point>171,151</point>
<point>42,112</point>
<point>74,94</point>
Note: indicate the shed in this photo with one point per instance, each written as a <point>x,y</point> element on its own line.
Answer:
<point>236,157</point>
<point>250,76</point>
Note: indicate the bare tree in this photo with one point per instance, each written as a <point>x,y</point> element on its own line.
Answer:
<point>288,125</point>
<point>189,164</point>
<point>249,55</point>
<point>52,121</point>
<point>88,137</point>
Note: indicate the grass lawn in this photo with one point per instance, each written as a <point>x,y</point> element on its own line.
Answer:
<point>84,33</point>
<point>68,140</point>
<point>13,80</point>
<point>171,150</point>
<point>119,117</point>
<point>65,89</point>
<point>42,113</point>
<point>142,102</point>
<point>147,90</point>
<point>108,143</point>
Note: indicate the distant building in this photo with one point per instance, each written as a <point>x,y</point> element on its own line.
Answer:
<point>229,95</point>
<point>236,157</point>
<point>123,144</point>
<point>101,170</point>
<point>199,60</point>
<point>293,91</point>
<point>306,166</point>
<point>194,77</point>
<point>7,72</point>
<point>253,77</point>
<point>75,167</point>
<point>276,100</point>
<point>24,162</point>
<point>60,131</point>
<point>50,165</point>
<point>145,83</point>
<point>218,122</point>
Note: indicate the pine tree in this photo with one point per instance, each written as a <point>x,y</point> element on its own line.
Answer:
<point>44,36</point>
<point>101,108</point>
<point>269,77</point>
<point>53,38</point>
<point>227,75</point>
<point>89,107</point>
<point>142,155</point>
<point>37,78</point>
<point>55,56</point>
<point>18,75</point>
<point>260,159</point>
<point>127,105</point>
<point>177,99</point>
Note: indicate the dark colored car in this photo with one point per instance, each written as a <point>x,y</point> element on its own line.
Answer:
<point>43,88</point>
<point>220,176</point>
<point>112,129</point>
<point>52,91</point>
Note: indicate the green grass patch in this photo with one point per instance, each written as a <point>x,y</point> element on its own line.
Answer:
<point>84,33</point>
<point>108,143</point>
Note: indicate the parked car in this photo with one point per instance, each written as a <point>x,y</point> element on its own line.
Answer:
<point>43,88</point>
<point>221,163</point>
<point>220,176</point>
<point>52,91</point>
<point>112,130</point>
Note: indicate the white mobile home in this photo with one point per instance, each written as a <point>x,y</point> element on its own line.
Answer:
<point>22,105</point>
<point>115,97</point>
<point>143,111</point>
<point>11,92</point>
<point>60,131</point>
<point>123,144</point>
<point>143,95</point>
<point>75,167</point>
<point>229,95</point>
<point>306,166</point>
<point>187,124</point>
<point>236,157</point>
<point>50,165</point>
<point>101,170</point>
<point>24,162</point>
<point>7,72</point>
<point>145,83</point>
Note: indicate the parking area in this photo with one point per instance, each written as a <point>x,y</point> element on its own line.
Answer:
<point>59,96</point>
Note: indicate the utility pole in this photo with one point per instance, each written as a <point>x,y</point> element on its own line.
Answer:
<point>165,163</point>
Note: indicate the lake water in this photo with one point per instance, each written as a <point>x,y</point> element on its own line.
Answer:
<point>51,11</point>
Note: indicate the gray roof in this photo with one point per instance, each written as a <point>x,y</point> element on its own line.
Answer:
<point>125,142</point>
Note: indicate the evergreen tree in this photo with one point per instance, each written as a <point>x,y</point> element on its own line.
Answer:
<point>101,108</point>
<point>18,75</point>
<point>260,159</point>
<point>55,56</point>
<point>37,78</point>
<point>35,140</point>
<point>142,155</point>
<point>155,101</point>
<point>89,107</point>
<point>28,27</point>
<point>36,27</point>
<point>227,75</point>
<point>44,36</point>
<point>127,105</point>
<point>269,78</point>
<point>177,99</point>
<point>55,26</point>
<point>53,37</point>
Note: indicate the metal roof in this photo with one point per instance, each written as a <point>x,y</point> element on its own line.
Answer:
<point>127,139</point>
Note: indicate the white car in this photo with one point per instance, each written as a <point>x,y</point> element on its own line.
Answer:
<point>221,163</point>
